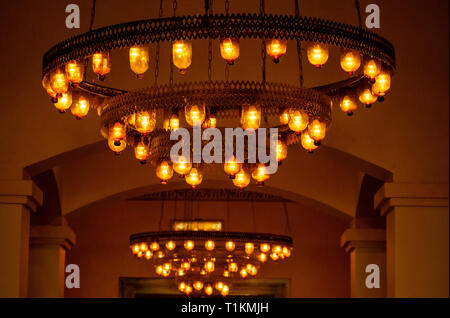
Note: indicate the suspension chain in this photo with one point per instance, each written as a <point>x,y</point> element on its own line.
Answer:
<point>210,55</point>
<point>358,11</point>
<point>227,7</point>
<point>175,4</point>
<point>160,14</point>
<point>299,49</point>
<point>263,47</point>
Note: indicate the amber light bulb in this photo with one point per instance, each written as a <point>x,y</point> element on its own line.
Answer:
<point>242,179</point>
<point>282,150</point>
<point>117,132</point>
<point>260,175</point>
<point>164,171</point>
<point>367,98</point>
<point>264,247</point>
<point>230,246</point>
<point>188,289</point>
<point>189,245</point>
<point>101,64</point>
<point>64,102</point>
<point>219,285</point>
<point>348,105</point>
<point>145,122</point>
<point>381,86</point>
<point>276,48</point>
<point>117,146</point>
<point>182,286</point>
<point>198,285</point>
<point>75,72</point>
<point>249,248</point>
<point>209,245</point>
<point>194,178</point>
<point>208,289</point>
<point>142,152</point>
<point>251,117</point>
<point>298,121</point>
<point>350,61</point>
<point>286,251</point>
<point>154,246</point>
<point>284,117</point>
<point>139,60</point>
<point>232,167</point>
<point>317,54</point>
<point>182,166</point>
<point>243,273</point>
<point>59,82</point>
<point>170,245</point>
<point>317,130</point>
<point>262,257</point>
<point>174,122</point>
<point>81,108</point>
<point>211,122</point>
<point>229,50</point>
<point>195,114</point>
<point>225,290</point>
<point>182,55</point>
<point>307,142</point>
<point>371,69</point>
<point>233,267</point>
<point>48,88</point>
<point>148,255</point>
<point>209,266</point>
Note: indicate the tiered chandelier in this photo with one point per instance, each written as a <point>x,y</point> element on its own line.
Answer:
<point>145,118</point>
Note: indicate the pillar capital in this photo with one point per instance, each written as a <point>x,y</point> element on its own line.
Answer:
<point>21,192</point>
<point>410,195</point>
<point>52,235</point>
<point>363,238</point>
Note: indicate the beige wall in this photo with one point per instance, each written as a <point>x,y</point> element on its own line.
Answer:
<point>318,267</point>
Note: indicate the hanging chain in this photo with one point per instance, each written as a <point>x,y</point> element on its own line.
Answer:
<point>288,225</point>
<point>160,14</point>
<point>210,55</point>
<point>227,7</point>
<point>263,47</point>
<point>299,49</point>
<point>358,10</point>
<point>175,4</point>
<point>91,25</point>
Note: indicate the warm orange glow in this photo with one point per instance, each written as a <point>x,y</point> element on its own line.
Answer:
<point>225,290</point>
<point>209,267</point>
<point>219,285</point>
<point>141,151</point>
<point>276,48</point>
<point>198,285</point>
<point>208,289</point>
<point>242,179</point>
<point>182,167</point>
<point>286,251</point>
<point>135,249</point>
<point>277,249</point>
<point>64,102</point>
<point>249,248</point>
<point>274,256</point>
<point>117,131</point>
<point>253,270</point>
<point>262,257</point>
<point>81,108</point>
<point>182,286</point>
<point>117,146</point>
<point>317,130</point>
<point>243,273</point>
<point>350,61</point>
<point>143,247</point>
<point>170,245</point>
<point>233,267</point>
<point>231,167</point>
<point>194,178</point>
<point>195,114</point>
<point>174,122</point>
<point>284,117</point>
<point>230,246</point>
<point>282,150</point>
<point>75,72</point>
<point>260,175</point>
<point>48,88</point>
<point>145,122</point>
<point>164,171</point>
<point>209,245</point>
<point>211,122</point>
<point>229,50</point>
<point>264,247</point>
<point>101,64</point>
<point>348,105</point>
<point>189,245</point>
<point>298,121</point>
<point>186,266</point>
<point>308,142</point>
<point>59,82</point>
<point>372,68</point>
<point>317,54</point>
<point>251,117</point>
<point>382,84</point>
<point>139,60</point>
<point>367,98</point>
<point>154,246</point>
<point>182,54</point>
<point>148,255</point>
<point>188,289</point>
<point>159,270</point>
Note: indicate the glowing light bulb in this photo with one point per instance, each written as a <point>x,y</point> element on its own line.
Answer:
<point>182,55</point>
<point>198,285</point>
<point>277,249</point>
<point>174,122</point>
<point>167,266</point>
<point>117,146</point>
<point>145,122</point>
<point>170,245</point>
<point>164,171</point>
<point>194,178</point>
<point>251,117</point>
<point>186,266</point>
<point>284,117</point>
<point>208,289</point>
<point>154,246</point>
<point>64,102</point>
<point>230,246</point>
<point>181,272</point>
<point>195,114</point>
<point>242,179</point>
<point>262,257</point>
<point>140,254</point>
<point>182,166</point>
<point>350,61</point>
<point>225,290</point>
<point>159,270</point>
<point>81,108</point>
<point>75,72</point>
<point>48,88</point>
<point>371,69</point>
<point>226,273</point>
<point>367,98</point>
<point>253,271</point>
<point>209,267</point>
<point>229,50</point>
<point>209,245</point>
<point>211,122</point>
<point>317,54</point>
<point>117,131</point>
<point>264,247</point>
<point>231,167</point>
<point>219,285</point>
<point>59,82</point>
<point>249,248</point>
<point>188,290</point>
<point>281,150</point>
<point>101,64</point>
<point>286,251</point>
<point>189,245</point>
<point>143,247</point>
<point>276,48</point>
<point>260,174</point>
<point>381,86</point>
<point>317,130</point>
<point>148,255</point>
<point>135,248</point>
<point>298,121</point>
<point>243,273</point>
<point>142,152</point>
<point>307,142</point>
<point>274,256</point>
<point>160,254</point>
<point>348,105</point>
<point>182,286</point>
<point>139,60</point>
<point>233,267</point>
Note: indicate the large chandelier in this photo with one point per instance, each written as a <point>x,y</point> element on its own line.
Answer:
<point>144,118</point>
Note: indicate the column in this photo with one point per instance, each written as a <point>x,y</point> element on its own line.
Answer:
<point>18,198</point>
<point>48,246</point>
<point>367,249</point>
<point>417,238</point>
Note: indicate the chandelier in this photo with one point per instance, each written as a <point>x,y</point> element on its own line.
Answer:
<point>144,118</point>
<point>203,259</point>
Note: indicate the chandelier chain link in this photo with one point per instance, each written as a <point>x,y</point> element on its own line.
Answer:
<point>158,46</point>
